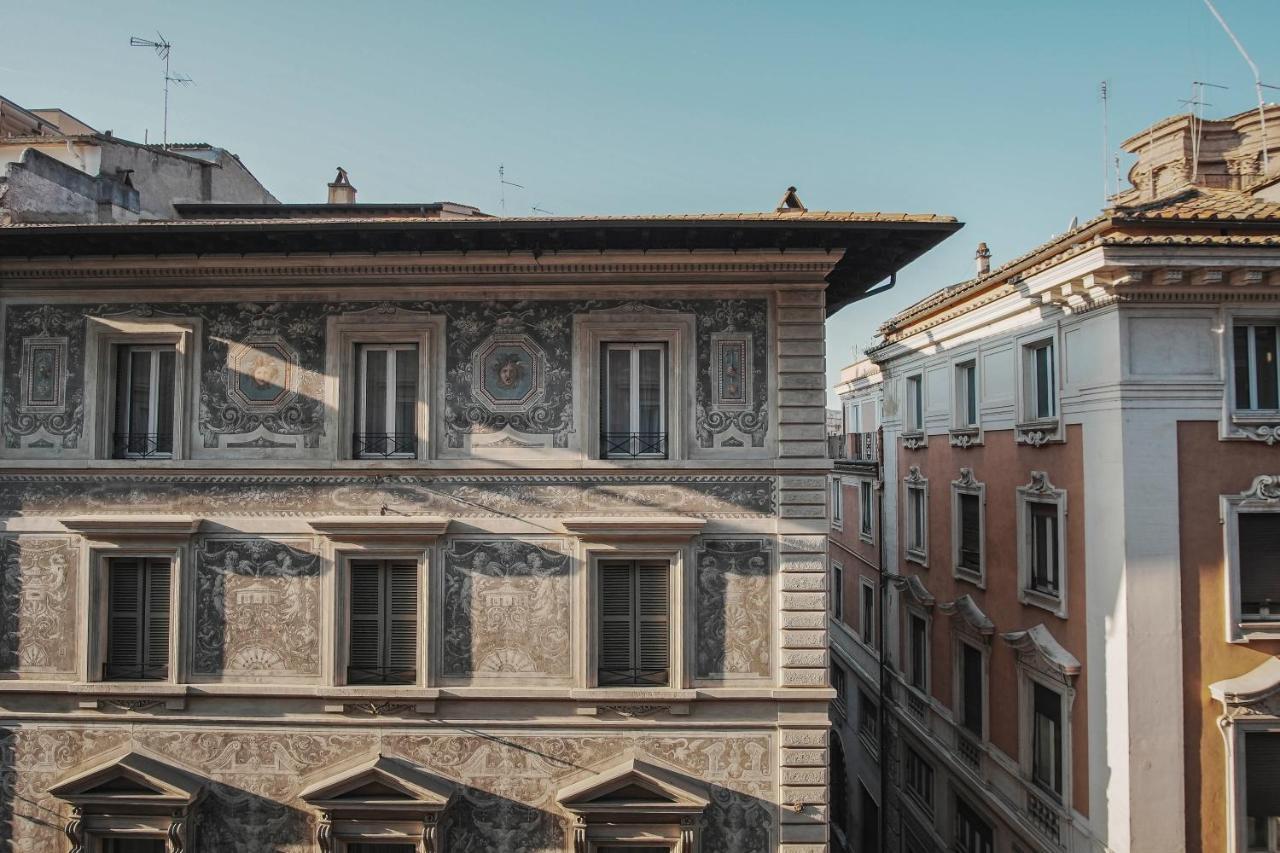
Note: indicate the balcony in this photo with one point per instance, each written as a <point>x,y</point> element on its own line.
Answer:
<point>633,445</point>
<point>860,447</point>
<point>141,445</point>
<point>384,445</point>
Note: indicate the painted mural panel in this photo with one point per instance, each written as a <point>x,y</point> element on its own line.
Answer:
<point>44,377</point>
<point>506,610</point>
<point>734,635</point>
<point>717,496</point>
<point>257,609</point>
<point>38,604</point>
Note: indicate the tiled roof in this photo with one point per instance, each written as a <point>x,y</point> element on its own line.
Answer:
<point>1200,203</point>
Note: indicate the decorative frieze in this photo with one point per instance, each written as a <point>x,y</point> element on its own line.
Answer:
<point>38,582</point>
<point>734,630</point>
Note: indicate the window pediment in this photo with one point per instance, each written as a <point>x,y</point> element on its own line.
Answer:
<point>1038,648</point>
<point>1255,693</point>
<point>642,528</point>
<point>129,781</point>
<point>379,784</point>
<point>974,620</point>
<point>913,586</point>
<point>116,528</point>
<point>635,786</point>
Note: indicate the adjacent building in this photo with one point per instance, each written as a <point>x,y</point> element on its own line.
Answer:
<point>1077,514</point>
<point>409,529</point>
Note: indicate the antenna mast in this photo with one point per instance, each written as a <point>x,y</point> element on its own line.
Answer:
<point>163,48</point>
<point>503,183</point>
<point>1258,85</point>
<point>1197,120</point>
<point>1106,144</point>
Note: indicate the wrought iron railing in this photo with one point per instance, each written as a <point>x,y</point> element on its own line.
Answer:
<point>853,447</point>
<point>610,677</point>
<point>141,445</point>
<point>633,444</point>
<point>384,444</point>
<point>380,675</point>
<point>115,672</point>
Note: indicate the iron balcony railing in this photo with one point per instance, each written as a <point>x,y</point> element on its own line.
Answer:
<point>853,447</point>
<point>384,444</point>
<point>141,445</point>
<point>659,677</point>
<point>116,672</point>
<point>634,445</point>
<point>380,675</point>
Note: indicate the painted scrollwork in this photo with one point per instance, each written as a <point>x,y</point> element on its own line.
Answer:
<point>44,376</point>
<point>734,633</point>
<point>37,604</point>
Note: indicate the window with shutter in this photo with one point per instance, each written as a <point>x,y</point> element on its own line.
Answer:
<point>138,612</point>
<point>1043,547</point>
<point>972,833</point>
<point>1262,775</point>
<point>384,623</point>
<point>144,402</point>
<point>971,683</point>
<point>635,630</point>
<point>1046,738</point>
<point>970,533</point>
<point>919,652</point>
<point>1259,534</point>
<point>133,845</point>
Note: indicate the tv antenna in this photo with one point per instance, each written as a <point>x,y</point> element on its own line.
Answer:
<point>1198,103</point>
<point>1258,85</point>
<point>503,183</point>
<point>163,48</point>
<point>542,210</point>
<point>1106,144</point>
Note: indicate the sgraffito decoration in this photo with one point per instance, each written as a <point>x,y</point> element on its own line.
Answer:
<point>44,371</point>
<point>38,604</point>
<point>506,610</point>
<point>734,634</point>
<point>257,609</point>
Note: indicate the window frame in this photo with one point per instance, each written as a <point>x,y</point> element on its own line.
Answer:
<point>635,348</point>
<point>867,592</point>
<point>977,813</point>
<point>1251,323</point>
<point>967,484</point>
<point>153,398</point>
<point>869,735</point>
<point>1262,497</point>
<point>1040,490</point>
<point>914,402</point>
<point>361,394</point>
<point>915,481</point>
<point>925,799</point>
<point>1030,677</point>
<point>347,334</point>
<point>145,565</point>
<point>837,591</point>
<point>100,556</point>
<point>841,687</point>
<point>343,555</point>
<point>925,689</point>
<point>836,491</point>
<point>866,510</point>
<point>1032,427</point>
<point>966,425</point>
<point>984,651</point>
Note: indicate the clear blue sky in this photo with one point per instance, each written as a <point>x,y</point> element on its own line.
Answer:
<point>984,110</point>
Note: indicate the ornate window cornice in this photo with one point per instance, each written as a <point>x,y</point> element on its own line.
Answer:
<point>1038,649</point>
<point>913,586</point>
<point>971,618</point>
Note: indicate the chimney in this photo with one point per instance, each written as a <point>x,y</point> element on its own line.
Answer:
<point>791,202</point>
<point>341,191</point>
<point>983,257</point>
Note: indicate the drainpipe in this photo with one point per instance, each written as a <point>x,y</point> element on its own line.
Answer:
<point>882,711</point>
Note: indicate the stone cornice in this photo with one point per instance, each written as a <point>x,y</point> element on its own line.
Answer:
<point>106,528</point>
<point>634,528</point>
<point>380,529</point>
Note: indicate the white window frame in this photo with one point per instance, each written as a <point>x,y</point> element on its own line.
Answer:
<point>866,511</point>
<point>964,433</point>
<point>870,739</point>
<point>362,388</point>
<point>837,504</point>
<point>152,427</point>
<point>867,635</point>
<point>1027,678</point>
<point>913,409</point>
<point>968,485</point>
<point>915,481</point>
<point>1033,428</point>
<point>1041,491</point>
<point>635,348</point>
<point>925,692</point>
<point>1263,496</point>
<point>1250,323</point>
<point>960,642</point>
<point>837,591</point>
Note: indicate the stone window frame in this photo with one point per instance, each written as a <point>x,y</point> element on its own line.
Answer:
<point>924,615</point>
<point>1250,704</point>
<point>836,491</point>
<point>1030,429</point>
<point>914,435</point>
<point>915,480</point>
<point>967,484</point>
<point>925,809</point>
<point>1262,496</point>
<point>678,331</point>
<point>962,434</point>
<point>866,510</point>
<point>104,336</point>
<point>835,606</point>
<point>960,639</point>
<point>867,591</point>
<point>344,334</point>
<point>1041,490</point>
<point>1028,677</point>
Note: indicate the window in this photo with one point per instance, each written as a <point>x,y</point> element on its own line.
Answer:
<point>1041,400</point>
<point>137,619</point>
<point>973,834</point>
<point>867,623</point>
<point>914,403</point>
<point>866,506</point>
<point>969,556</point>
<point>1259,542</point>
<point>966,395</point>
<point>1042,522</point>
<point>837,502</point>
<point>868,720</point>
<point>852,417</point>
<point>917,521</point>
<point>972,685</point>
<point>635,636</point>
<point>837,591</point>
<point>918,651</point>
<point>387,401</point>
<point>635,404</point>
<point>838,684</point>
<point>1262,790</point>
<point>144,402</point>
<point>384,622</point>
<point>918,775</point>
<point>135,845</point>
<point>1046,738</point>
<point>1257,380</point>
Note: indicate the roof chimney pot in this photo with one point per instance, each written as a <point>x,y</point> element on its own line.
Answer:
<point>983,257</point>
<point>341,191</point>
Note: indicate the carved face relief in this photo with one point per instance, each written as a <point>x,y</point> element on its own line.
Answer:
<point>258,609</point>
<point>734,636</point>
<point>37,604</point>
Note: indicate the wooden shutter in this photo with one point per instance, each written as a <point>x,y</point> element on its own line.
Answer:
<point>124,617</point>
<point>1259,559</point>
<point>970,532</point>
<point>617,623</point>
<point>971,660</point>
<point>364,660</point>
<point>156,613</point>
<point>653,630</point>
<point>402,628</point>
<point>1262,774</point>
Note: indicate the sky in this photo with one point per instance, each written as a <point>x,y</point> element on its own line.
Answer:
<point>987,111</point>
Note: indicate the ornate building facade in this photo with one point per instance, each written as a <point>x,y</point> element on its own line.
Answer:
<point>359,531</point>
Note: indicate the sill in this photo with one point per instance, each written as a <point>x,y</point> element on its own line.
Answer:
<point>1039,432</point>
<point>623,694</point>
<point>914,439</point>
<point>1053,603</point>
<point>965,437</point>
<point>972,576</point>
<point>919,557</point>
<point>1255,416</point>
<point>1249,631</point>
<point>867,538</point>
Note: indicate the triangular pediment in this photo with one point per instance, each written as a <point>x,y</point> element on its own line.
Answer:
<point>129,778</point>
<point>380,782</point>
<point>637,785</point>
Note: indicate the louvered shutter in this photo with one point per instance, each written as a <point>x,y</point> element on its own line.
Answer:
<point>124,617</point>
<point>971,659</point>
<point>1262,774</point>
<point>156,637</point>
<point>970,532</point>
<point>617,624</point>
<point>1259,560</point>
<point>653,630</point>
<point>402,627</point>
<point>365,657</point>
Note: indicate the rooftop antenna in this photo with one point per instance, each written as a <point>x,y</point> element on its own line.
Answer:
<point>1106,144</point>
<point>1258,85</point>
<point>537,209</point>
<point>503,183</point>
<point>1197,102</point>
<point>163,48</point>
